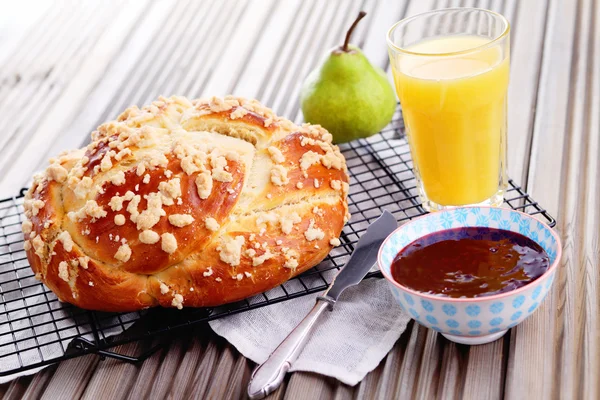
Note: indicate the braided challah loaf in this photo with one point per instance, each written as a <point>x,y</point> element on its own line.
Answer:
<point>185,204</point>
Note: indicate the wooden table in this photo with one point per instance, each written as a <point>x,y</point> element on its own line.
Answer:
<point>66,67</point>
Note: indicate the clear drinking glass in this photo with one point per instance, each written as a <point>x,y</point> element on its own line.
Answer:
<point>451,70</point>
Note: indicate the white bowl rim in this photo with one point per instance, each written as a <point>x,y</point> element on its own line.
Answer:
<point>510,293</point>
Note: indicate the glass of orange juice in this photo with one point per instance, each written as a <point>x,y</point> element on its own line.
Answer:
<point>451,72</point>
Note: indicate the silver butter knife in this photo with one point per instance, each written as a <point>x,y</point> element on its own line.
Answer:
<point>268,376</point>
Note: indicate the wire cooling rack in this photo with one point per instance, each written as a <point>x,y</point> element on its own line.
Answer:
<point>36,329</point>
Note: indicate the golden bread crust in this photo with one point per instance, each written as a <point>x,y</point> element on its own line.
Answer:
<point>185,204</point>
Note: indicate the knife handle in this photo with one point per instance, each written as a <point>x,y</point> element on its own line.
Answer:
<point>268,376</point>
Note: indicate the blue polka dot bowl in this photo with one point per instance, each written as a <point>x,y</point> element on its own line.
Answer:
<point>476,320</point>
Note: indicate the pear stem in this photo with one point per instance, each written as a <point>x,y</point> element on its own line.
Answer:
<point>361,15</point>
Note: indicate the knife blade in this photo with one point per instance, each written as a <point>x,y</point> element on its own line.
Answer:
<point>268,376</point>
<point>364,255</point>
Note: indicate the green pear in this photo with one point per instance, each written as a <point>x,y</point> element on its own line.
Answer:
<point>347,95</point>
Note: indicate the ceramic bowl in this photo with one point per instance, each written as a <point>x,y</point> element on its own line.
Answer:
<point>472,320</point>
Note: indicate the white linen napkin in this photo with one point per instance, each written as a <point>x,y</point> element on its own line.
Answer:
<point>346,344</point>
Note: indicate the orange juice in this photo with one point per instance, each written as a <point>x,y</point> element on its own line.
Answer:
<point>454,106</point>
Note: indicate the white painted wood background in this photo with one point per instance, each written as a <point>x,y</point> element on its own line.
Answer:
<point>66,66</point>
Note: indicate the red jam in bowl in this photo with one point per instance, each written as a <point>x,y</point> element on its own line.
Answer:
<point>469,262</point>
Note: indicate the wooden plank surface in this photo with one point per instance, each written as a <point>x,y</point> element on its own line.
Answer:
<point>92,59</point>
